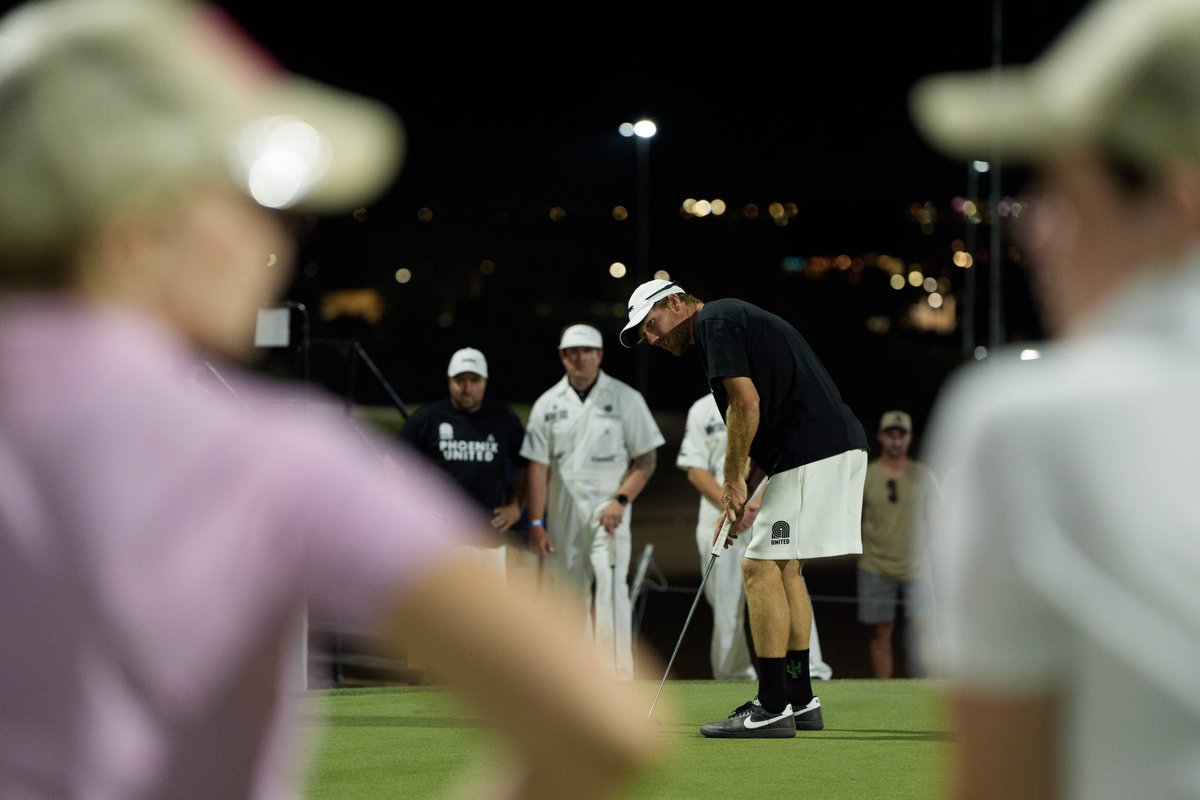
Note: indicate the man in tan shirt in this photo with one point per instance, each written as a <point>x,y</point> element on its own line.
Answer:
<point>898,497</point>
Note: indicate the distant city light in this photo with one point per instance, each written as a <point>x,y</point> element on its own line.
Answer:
<point>662,275</point>
<point>963,259</point>
<point>424,214</point>
<point>897,282</point>
<point>620,213</point>
<point>930,284</point>
<point>557,214</point>
<point>980,166</point>
<point>935,300</point>
<point>643,128</point>
<point>916,278</point>
<point>980,353</point>
<point>718,207</point>
<point>403,275</point>
<point>617,269</point>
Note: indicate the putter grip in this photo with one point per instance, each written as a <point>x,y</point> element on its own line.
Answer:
<point>719,545</point>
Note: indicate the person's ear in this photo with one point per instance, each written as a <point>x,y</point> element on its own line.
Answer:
<point>1183,185</point>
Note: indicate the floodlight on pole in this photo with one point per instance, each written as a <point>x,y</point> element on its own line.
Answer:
<point>644,129</point>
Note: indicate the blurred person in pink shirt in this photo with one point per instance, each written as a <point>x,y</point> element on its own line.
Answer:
<point>158,542</point>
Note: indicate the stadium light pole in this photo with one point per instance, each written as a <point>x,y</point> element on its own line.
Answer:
<point>642,131</point>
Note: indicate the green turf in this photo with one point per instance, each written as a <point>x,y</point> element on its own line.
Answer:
<point>882,739</point>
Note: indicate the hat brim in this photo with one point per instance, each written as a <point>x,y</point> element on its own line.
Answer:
<point>361,140</point>
<point>1083,91</point>
<point>365,139</point>
<point>630,335</point>
<point>987,117</point>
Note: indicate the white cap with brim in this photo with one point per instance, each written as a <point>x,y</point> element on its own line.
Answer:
<point>641,301</point>
<point>581,336</point>
<point>467,360</point>
<point>1124,77</point>
<point>136,96</point>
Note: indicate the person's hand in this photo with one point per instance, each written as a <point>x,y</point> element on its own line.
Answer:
<point>539,541</point>
<point>504,517</point>
<point>733,498</point>
<point>747,520</point>
<point>611,516</point>
<point>717,532</point>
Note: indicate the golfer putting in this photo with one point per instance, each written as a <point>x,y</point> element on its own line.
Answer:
<point>788,425</point>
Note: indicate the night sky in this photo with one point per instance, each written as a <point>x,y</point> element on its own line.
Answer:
<point>510,113</point>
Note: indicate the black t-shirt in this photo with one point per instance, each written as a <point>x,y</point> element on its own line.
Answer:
<point>802,417</point>
<point>478,450</point>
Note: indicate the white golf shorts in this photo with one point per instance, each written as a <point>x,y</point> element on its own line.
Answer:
<point>812,511</point>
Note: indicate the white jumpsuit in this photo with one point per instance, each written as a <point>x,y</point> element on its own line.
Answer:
<point>588,445</point>
<point>703,446</point>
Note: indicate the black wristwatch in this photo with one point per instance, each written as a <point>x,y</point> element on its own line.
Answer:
<point>622,499</point>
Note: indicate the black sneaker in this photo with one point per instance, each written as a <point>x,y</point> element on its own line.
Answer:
<point>752,721</point>
<point>809,718</point>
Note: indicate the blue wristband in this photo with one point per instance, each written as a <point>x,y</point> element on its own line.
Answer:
<point>537,523</point>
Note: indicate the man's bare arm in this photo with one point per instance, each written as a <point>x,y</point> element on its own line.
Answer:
<point>538,488</point>
<point>635,480</point>
<point>741,425</point>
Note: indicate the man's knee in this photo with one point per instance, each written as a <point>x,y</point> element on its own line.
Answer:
<point>757,574</point>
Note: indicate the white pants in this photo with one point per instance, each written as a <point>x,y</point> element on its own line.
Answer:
<point>583,571</point>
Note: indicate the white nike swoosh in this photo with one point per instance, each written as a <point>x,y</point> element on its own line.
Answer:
<point>752,724</point>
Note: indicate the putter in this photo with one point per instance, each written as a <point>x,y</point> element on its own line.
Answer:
<point>717,549</point>
<point>612,567</point>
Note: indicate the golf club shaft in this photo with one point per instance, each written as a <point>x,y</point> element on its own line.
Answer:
<point>718,547</point>
<point>612,564</point>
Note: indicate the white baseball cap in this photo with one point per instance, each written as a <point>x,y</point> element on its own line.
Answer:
<point>1123,76</point>
<point>581,336</point>
<point>641,301</point>
<point>467,360</point>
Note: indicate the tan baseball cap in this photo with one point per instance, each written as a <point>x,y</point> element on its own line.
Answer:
<point>895,419</point>
<point>1124,76</point>
<point>104,103</point>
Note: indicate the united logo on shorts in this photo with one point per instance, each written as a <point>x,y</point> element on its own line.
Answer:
<point>780,533</point>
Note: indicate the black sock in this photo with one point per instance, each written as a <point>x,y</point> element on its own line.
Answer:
<point>771,692</point>
<point>798,681</point>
